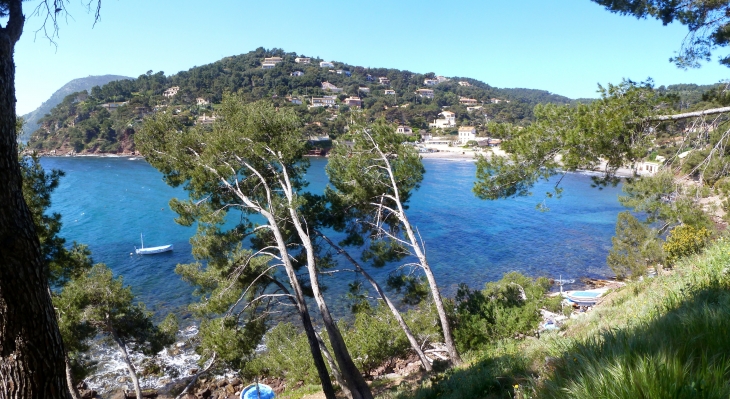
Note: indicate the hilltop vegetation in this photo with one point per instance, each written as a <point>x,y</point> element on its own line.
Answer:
<point>80,123</point>
<point>74,86</point>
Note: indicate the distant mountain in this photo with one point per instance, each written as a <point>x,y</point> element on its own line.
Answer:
<point>76,85</point>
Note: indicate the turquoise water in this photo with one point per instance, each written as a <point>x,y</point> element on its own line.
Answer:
<point>107,202</point>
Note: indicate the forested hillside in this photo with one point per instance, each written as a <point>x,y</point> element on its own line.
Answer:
<point>76,85</point>
<point>106,118</point>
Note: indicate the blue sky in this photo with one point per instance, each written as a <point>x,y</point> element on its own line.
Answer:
<point>563,46</point>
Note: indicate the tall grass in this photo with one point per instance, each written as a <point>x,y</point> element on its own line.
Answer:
<point>666,337</point>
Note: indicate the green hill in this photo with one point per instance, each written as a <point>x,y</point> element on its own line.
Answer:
<point>76,85</point>
<point>105,118</point>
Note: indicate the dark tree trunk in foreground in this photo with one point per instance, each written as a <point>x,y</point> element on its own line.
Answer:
<point>31,351</point>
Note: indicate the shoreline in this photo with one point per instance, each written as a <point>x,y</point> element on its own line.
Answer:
<point>465,155</point>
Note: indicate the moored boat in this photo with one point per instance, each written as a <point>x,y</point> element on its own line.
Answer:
<point>151,250</point>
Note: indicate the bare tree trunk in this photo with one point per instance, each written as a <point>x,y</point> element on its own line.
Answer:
<point>324,377</point>
<point>414,343</point>
<point>130,366</point>
<point>31,350</point>
<point>355,382</point>
<point>70,380</point>
<point>420,254</point>
<point>333,367</point>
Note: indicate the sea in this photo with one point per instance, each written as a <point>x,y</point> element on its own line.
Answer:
<point>107,203</point>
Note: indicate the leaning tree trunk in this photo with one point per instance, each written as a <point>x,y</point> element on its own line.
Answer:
<point>356,383</point>
<point>411,339</point>
<point>438,300</point>
<point>70,380</point>
<point>301,305</point>
<point>130,367</point>
<point>31,350</point>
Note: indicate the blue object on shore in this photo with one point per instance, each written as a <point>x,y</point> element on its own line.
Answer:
<point>264,392</point>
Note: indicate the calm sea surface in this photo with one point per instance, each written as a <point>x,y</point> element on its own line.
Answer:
<point>107,202</point>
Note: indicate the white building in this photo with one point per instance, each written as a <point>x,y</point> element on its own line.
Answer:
<point>326,64</point>
<point>297,73</point>
<point>171,91</point>
<point>648,168</point>
<point>201,101</point>
<point>468,101</point>
<point>205,120</point>
<point>427,93</point>
<point>325,101</point>
<point>430,82</point>
<point>303,60</point>
<point>402,129</point>
<point>389,92</point>
<point>383,80</point>
<point>467,133</point>
<point>364,89</point>
<point>448,120</point>
<point>270,62</point>
<point>465,84</point>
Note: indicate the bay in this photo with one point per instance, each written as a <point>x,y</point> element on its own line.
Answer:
<point>107,202</point>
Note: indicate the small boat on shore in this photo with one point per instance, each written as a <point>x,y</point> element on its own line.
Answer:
<point>585,297</point>
<point>151,250</point>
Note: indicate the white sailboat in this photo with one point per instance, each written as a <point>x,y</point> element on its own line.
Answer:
<point>151,250</point>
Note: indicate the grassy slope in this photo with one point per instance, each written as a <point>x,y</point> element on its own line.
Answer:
<point>663,337</point>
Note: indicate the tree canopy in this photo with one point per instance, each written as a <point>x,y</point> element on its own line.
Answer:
<point>708,22</point>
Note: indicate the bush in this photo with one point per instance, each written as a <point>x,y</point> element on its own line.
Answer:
<point>374,339</point>
<point>685,240</point>
<point>287,355</point>
<point>503,309</point>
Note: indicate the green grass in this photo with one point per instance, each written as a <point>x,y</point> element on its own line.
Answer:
<point>666,337</point>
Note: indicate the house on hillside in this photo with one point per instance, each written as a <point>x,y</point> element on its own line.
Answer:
<point>353,102</point>
<point>403,129</point>
<point>303,60</point>
<point>468,101</point>
<point>171,91</point>
<point>324,101</point>
<point>270,62</point>
<point>364,89</point>
<point>464,83</point>
<point>294,100</point>
<point>467,133</point>
<point>448,120</point>
<point>112,106</point>
<point>427,93</point>
<point>497,100</point>
<point>442,79</point>
<point>326,64</point>
<point>384,80</point>
<point>297,73</point>
<point>202,101</point>
<point>389,92</point>
<point>369,78</point>
<point>205,120</point>
<point>327,86</point>
<point>472,109</point>
<point>430,82</point>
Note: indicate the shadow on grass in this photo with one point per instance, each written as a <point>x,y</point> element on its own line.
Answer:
<point>684,353</point>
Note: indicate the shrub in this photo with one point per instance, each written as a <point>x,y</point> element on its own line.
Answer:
<point>287,355</point>
<point>501,310</point>
<point>685,240</point>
